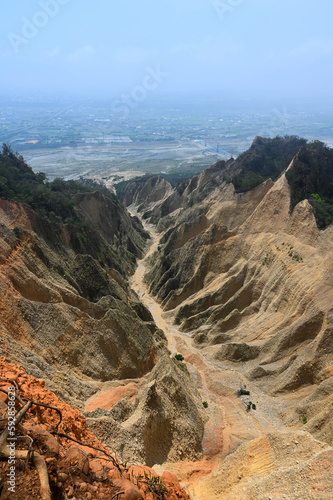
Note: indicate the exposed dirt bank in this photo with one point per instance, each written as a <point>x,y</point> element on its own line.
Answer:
<point>240,455</point>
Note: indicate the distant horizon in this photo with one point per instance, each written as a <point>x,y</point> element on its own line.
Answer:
<point>159,96</point>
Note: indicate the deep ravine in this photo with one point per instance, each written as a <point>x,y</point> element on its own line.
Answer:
<point>229,424</point>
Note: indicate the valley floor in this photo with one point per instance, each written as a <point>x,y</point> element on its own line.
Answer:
<point>229,424</point>
<point>246,454</point>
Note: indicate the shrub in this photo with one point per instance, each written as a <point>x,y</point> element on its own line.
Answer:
<point>132,258</point>
<point>243,392</point>
<point>179,357</point>
<point>20,183</point>
<point>251,405</point>
<point>205,404</point>
<point>310,177</point>
<point>154,485</point>
<point>266,158</point>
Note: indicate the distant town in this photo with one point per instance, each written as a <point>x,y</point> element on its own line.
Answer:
<point>71,137</point>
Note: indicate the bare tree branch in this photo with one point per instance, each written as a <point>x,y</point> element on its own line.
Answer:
<point>116,495</point>
<point>18,418</point>
<point>115,463</point>
<point>40,465</point>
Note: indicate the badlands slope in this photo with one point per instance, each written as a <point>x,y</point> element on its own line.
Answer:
<point>250,282</point>
<point>70,322</point>
<point>239,283</point>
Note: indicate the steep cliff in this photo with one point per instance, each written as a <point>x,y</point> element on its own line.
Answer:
<point>248,275</point>
<point>64,300</point>
<point>69,317</point>
<point>144,192</point>
<point>252,282</point>
<point>66,459</point>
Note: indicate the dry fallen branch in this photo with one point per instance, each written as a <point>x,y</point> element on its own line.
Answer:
<point>117,494</point>
<point>30,450</point>
<point>38,461</point>
<point>23,400</point>
<point>40,465</point>
<point>115,463</point>
<point>18,418</point>
<point>36,458</point>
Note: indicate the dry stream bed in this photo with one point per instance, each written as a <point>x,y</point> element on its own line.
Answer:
<point>229,424</point>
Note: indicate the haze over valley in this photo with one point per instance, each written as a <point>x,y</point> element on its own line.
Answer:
<point>166,250</point>
<point>168,134</point>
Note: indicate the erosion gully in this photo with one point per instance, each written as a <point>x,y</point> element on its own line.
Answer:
<point>229,424</point>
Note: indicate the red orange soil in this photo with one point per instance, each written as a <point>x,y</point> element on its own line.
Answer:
<point>74,470</point>
<point>108,398</point>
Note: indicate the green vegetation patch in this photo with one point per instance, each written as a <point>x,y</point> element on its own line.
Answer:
<point>266,159</point>
<point>311,178</point>
<point>18,182</point>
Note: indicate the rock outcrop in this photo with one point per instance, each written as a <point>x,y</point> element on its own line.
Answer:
<point>66,316</point>
<point>248,275</point>
<point>276,465</point>
<point>157,203</point>
<point>252,283</point>
<point>72,463</point>
<point>146,192</point>
<point>164,423</point>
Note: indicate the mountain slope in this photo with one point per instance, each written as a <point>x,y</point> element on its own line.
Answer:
<point>252,282</point>
<point>68,316</point>
<point>65,302</point>
<point>249,277</point>
<point>67,460</point>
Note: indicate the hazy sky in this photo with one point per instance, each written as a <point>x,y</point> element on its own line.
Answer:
<point>263,47</point>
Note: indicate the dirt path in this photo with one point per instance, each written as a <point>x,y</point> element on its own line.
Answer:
<point>139,286</point>
<point>229,423</point>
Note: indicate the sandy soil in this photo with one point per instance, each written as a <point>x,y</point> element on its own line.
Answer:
<point>229,423</point>
<point>246,455</point>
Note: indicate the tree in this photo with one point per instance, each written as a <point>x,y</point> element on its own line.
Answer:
<point>7,150</point>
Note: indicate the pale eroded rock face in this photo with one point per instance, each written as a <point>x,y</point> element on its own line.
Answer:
<point>283,464</point>
<point>252,282</point>
<point>165,423</point>
<point>145,193</point>
<point>61,312</point>
<point>113,221</point>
